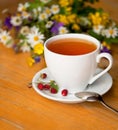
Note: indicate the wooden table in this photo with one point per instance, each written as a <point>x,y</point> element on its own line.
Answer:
<point>21,108</point>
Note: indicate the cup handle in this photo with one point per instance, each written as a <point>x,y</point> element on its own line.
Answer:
<point>109,58</point>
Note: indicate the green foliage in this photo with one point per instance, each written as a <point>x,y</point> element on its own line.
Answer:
<point>35,5</point>
<point>54,85</point>
<point>99,37</point>
<point>111,40</point>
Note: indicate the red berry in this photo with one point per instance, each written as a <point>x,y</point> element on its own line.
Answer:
<point>53,90</point>
<point>43,75</point>
<point>64,92</point>
<point>46,86</point>
<point>40,86</point>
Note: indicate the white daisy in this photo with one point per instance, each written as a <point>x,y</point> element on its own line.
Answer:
<point>36,12</point>
<point>63,30</point>
<point>34,38</point>
<point>25,15</point>
<point>48,11</point>
<point>43,16</point>
<point>39,9</point>
<point>84,21</point>
<point>45,1</point>
<point>113,24</point>
<point>24,30</point>
<point>55,9</point>
<point>97,29</point>
<point>6,39</point>
<point>103,32</point>
<point>49,24</point>
<point>16,20</point>
<point>111,32</point>
<point>34,29</point>
<point>23,7</point>
<point>25,47</point>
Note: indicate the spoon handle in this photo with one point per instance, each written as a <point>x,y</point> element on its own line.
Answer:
<point>109,107</point>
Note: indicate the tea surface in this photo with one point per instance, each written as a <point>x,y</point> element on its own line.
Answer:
<point>71,46</point>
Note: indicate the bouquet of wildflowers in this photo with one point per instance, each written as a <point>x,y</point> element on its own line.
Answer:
<point>27,29</point>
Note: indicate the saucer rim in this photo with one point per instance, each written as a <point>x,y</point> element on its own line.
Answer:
<point>65,99</point>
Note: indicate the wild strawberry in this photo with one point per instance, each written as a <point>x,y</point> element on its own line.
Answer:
<point>53,90</point>
<point>64,92</point>
<point>43,75</point>
<point>40,86</point>
<point>46,86</point>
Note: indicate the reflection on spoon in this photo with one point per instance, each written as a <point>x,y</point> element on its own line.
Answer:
<point>92,96</point>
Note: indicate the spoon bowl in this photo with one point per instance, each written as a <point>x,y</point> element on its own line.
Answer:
<point>93,96</point>
<point>87,96</point>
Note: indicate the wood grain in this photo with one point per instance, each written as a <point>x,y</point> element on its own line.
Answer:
<point>21,108</point>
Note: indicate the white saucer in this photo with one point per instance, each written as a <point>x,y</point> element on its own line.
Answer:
<point>101,86</point>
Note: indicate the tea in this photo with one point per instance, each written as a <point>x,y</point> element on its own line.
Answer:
<point>71,46</point>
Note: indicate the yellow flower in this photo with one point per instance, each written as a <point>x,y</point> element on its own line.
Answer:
<point>105,18</point>
<point>96,18</point>
<point>38,49</point>
<point>55,17</point>
<point>30,61</point>
<point>61,18</point>
<point>71,2</point>
<point>72,18</point>
<point>63,3</point>
<point>106,45</point>
<point>64,19</point>
<point>77,20</point>
<point>75,27</point>
<point>68,9</point>
<point>109,47</point>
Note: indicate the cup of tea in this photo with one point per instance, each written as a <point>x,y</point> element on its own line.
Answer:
<point>72,60</point>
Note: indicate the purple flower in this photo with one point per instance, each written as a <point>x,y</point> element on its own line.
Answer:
<point>105,49</point>
<point>8,23</point>
<point>55,27</point>
<point>18,28</point>
<point>37,59</point>
<point>16,48</point>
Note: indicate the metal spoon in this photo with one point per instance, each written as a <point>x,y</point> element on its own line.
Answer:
<point>91,97</point>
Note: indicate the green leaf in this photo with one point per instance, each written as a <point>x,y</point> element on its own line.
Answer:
<point>8,42</point>
<point>99,37</point>
<point>62,10</point>
<point>37,1</point>
<point>35,5</point>
<point>54,85</point>
<point>111,40</point>
<point>86,10</point>
<point>21,36</point>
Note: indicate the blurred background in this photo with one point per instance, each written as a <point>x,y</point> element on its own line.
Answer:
<point>105,4</point>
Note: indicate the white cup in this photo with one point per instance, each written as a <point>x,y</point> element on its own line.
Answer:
<point>75,72</point>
